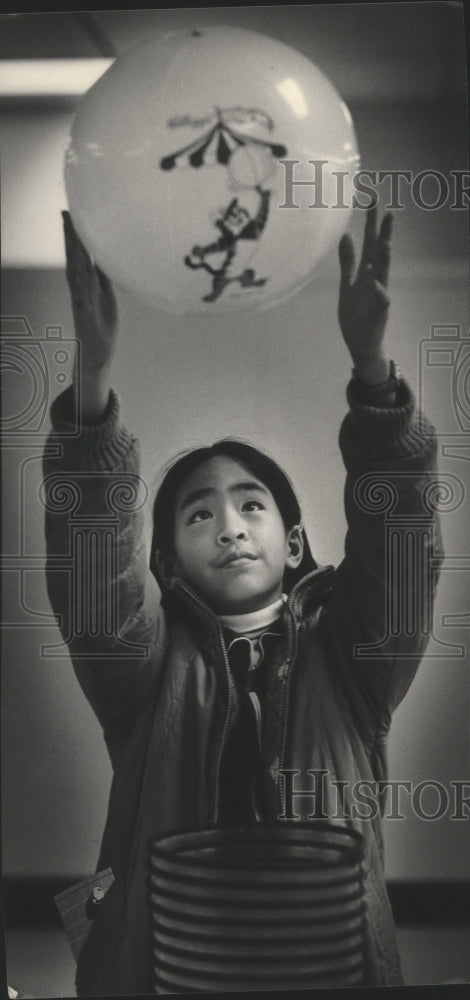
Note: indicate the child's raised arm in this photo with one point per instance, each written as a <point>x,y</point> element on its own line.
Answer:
<point>377,621</point>
<point>96,322</point>
<point>364,302</point>
<point>98,580</point>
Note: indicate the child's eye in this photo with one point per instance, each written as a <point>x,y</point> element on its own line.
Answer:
<point>199,515</point>
<point>251,505</point>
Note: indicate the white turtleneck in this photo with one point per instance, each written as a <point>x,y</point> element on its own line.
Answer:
<point>253,621</point>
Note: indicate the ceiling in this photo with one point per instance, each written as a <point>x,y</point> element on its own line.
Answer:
<point>372,52</point>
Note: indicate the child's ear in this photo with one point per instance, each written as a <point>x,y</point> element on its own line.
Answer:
<point>295,546</point>
<point>166,566</point>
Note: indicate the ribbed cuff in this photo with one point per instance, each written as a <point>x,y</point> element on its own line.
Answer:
<point>103,445</point>
<point>384,432</point>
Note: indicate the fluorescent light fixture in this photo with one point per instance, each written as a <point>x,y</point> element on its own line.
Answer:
<point>50,77</point>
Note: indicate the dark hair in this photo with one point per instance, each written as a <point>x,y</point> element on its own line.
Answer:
<point>259,464</point>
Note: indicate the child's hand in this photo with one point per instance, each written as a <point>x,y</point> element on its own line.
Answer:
<point>364,302</point>
<point>93,302</point>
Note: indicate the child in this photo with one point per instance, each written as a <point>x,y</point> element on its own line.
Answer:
<point>247,665</point>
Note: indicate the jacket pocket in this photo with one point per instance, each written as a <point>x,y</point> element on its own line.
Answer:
<point>97,965</point>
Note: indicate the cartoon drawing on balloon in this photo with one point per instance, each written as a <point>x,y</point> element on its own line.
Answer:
<point>239,232</point>
<point>220,141</point>
<point>249,161</point>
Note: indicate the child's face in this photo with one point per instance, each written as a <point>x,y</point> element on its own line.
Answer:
<point>230,542</point>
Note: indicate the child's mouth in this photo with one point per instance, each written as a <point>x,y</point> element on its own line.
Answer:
<point>237,559</point>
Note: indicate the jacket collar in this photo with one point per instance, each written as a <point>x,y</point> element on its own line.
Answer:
<point>305,598</point>
<point>311,591</point>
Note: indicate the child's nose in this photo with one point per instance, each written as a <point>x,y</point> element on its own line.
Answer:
<point>228,537</point>
<point>232,530</point>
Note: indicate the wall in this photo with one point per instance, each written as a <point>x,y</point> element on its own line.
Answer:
<point>277,378</point>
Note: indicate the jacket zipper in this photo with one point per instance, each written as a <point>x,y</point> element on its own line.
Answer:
<point>205,607</point>
<point>293,626</point>
<point>290,660</point>
<point>224,735</point>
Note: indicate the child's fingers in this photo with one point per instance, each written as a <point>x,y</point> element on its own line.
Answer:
<point>70,238</point>
<point>370,238</point>
<point>386,227</point>
<point>79,268</point>
<point>107,291</point>
<point>383,252</point>
<point>382,298</point>
<point>70,233</point>
<point>346,260</point>
<point>382,262</point>
<point>73,244</point>
<point>106,285</point>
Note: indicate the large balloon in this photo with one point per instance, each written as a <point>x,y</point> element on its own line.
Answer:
<point>180,176</point>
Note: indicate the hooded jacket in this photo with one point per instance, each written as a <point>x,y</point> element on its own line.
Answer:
<point>160,684</point>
